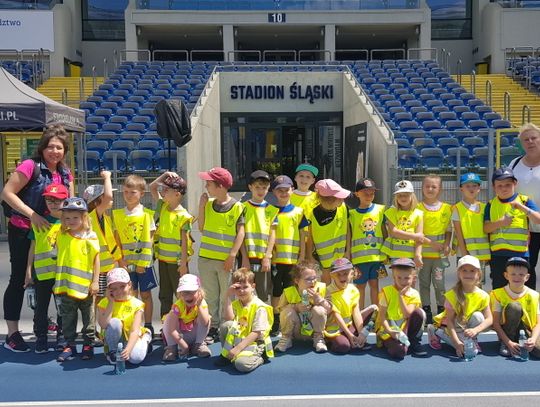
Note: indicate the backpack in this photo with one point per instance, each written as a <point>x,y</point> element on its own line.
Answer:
<point>8,210</point>
<point>518,159</point>
<point>173,121</point>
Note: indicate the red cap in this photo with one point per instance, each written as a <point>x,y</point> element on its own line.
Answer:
<point>57,191</point>
<point>217,174</point>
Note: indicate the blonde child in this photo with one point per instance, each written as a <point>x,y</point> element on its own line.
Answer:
<point>506,219</point>
<point>405,225</point>
<point>400,312</point>
<point>41,268</point>
<point>77,276</point>
<point>260,228</point>
<point>303,309</point>
<point>173,238</point>
<point>516,307</point>
<point>346,321</point>
<point>365,240</point>
<point>134,228</point>
<point>121,317</point>
<point>303,196</point>
<point>187,324</point>
<point>328,225</point>
<point>466,310</point>
<point>245,334</point>
<point>221,222</point>
<point>468,221</point>
<point>290,241</point>
<point>437,241</point>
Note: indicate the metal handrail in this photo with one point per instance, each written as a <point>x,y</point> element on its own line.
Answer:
<point>105,68</point>
<point>459,66</point>
<point>448,54</point>
<point>247,51</point>
<point>443,57</point>
<point>115,59</point>
<point>507,105</point>
<point>489,92</point>
<point>356,50</point>
<point>201,51</point>
<point>124,53</point>
<point>525,108</point>
<point>267,52</point>
<point>64,96</point>
<point>170,51</point>
<point>473,81</point>
<point>387,50</point>
<point>313,51</point>
<point>528,73</point>
<point>434,52</point>
<point>94,79</point>
<point>81,88</point>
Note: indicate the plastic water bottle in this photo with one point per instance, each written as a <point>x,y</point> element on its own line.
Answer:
<point>120,367</point>
<point>367,328</point>
<point>31,297</point>
<point>469,352</point>
<point>402,336</point>
<point>445,263</point>
<point>524,353</point>
<point>307,328</point>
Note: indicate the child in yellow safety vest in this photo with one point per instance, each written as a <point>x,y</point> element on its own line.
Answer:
<point>468,221</point>
<point>506,219</point>
<point>303,196</point>
<point>366,239</point>
<point>328,226</point>
<point>303,309</point>
<point>405,225</point>
<point>134,228</point>
<point>41,268</point>
<point>401,316</point>
<point>77,276</point>
<point>466,310</point>
<point>221,223</point>
<point>260,228</point>
<point>245,334</point>
<point>173,246</point>
<point>346,326</point>
<point>290,245</point>
<point>437,241</point>
<point>516,307</point>
<point>121,317</point>
<point>185,327</point>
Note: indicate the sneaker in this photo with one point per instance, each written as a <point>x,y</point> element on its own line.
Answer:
<point>170,354</point>
<point>151,328</point>
<point>87,352</point>
<point>478,348</point>
<point>417,349</point>
<point>222,361</point>
<point>16,343</point>
<point>202,350</point>
<point>41,345</point>
<point>212,337</point>
<point>504,351</point>
<point>68,353</point>
<point>433,339</point>
<point>97,343</point>
<point>284,343</point>
<point>318,344</point>
<point>429,315</point>
<point>60,343</point>
<point>111,357</point>
<point>275,327</point>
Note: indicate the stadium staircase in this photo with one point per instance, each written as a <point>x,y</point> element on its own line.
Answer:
<point>519,96</point>
<point>54,87</point>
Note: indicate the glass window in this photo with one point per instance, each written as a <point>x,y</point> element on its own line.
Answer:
<point>450,19</point>
<point>103,20</point>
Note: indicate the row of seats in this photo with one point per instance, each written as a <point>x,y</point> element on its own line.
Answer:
<point>26,69</point>
<point>138,160</point>
<point>522,68</point>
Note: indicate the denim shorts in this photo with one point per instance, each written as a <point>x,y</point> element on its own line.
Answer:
<point>144,281</point>
<point>367,271</point>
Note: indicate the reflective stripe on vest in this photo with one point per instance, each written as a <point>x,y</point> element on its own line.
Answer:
<point>287,245</point>
<point>135,236</point>
<point>169,234</point>
<point>258,224</point>
<point>394,314</point>
<point>516,236</point>
<point>406,221</point>
<point>45,252</point>
<point>109,252</point>
<point>75,265</point>
<point>435,226</point>
<point>475,301</point>
<point>472,227</point>
<point>366,235</point>
<point>330,240</point>
<point>242,326</point>
<point>528,301</point>
<point>219,231</point>
<point>343,302</point>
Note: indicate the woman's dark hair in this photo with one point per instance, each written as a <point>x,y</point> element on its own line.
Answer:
<point>57,131</point>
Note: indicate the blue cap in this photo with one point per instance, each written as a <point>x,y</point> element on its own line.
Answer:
<point>470,178</point>
<point>503,173</point>
<point>308,167</point>
<point>517,261</point>
<point>282,181</point>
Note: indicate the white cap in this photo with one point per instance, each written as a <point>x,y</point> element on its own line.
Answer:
<point>403,186</point>
<point>188,282</point>
<point>470,260</point>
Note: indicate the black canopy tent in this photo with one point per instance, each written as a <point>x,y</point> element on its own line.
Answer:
<point>24,109</point>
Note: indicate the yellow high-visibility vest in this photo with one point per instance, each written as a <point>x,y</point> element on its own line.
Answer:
<point>343,302</point>
<point>367,235</point>
<point>259,220</point>
<point>293,296</point>
<point>330,240</point>
<point>169,234</point>
<point>45,252</point>
<point>514,237</point>
<point>287,247</point>
<point>478,300</point>
<point>472,227</point>
<point>109,252</point>
<point>394,314</point>
<point>135,236</point>
<point>435,227</point>
<point>406,221</point>
<point>528,301</point>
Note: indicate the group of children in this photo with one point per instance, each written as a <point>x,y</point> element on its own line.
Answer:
<point>259,266</point>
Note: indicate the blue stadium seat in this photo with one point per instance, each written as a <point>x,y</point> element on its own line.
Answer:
<point>402,117</point>
<point>452,154</point>
<point>142,160</point>
<point>453,103</point>
<point>403,143</point>
<point>420,143</point>
<point>438,109</point>
<point>147,144</point>
<point>112,127</point>
<point>477,124</point>
<point>444,143</point>
<point>106,136</point>
<point>413,103</point>
<point>431,125</point>
<point>417,109</point>
<point>431,158</point>
<point>468,116</point>
<point>459,110</point>
<point>99,146</point>
<point>474,102</point>
<point>444,116</point>
<point>396,109</point>
<point>414,134</point>
<point>162,159</point>
<point>481,157</point>
<point>501,124</point>
<point>121,160</point>
<point>93,161</point>
<point>472,142</point>
<point>407,158</point>
<point>123,145</point>
<point>422,117</point>
<point>134,136</point>
<point>139,127</point>
<point>454,125</point>
<point>408,125</point>
<point>92,128</point>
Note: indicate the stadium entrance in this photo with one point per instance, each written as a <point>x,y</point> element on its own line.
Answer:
<point>277,143</point>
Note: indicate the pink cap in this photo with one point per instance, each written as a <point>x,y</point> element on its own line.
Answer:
<point>329,187</point>
<point>188,282</point>
<point>117,275</point>
<point>217,174</point>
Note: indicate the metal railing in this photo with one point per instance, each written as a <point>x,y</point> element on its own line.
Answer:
<point>181,52</point>
<point>433,56</point>
<point>145,53</point>
<point>280,52</point>
<point>507,108</point>
<point>472,78</point>
<point>459,66</point>
<point>324,52</point>
<point>379,50</point>
<point>245,52</point>
<point>525,109</point>
<point>489,92</point>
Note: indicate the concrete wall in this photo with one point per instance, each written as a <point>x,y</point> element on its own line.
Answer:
<point>65,44</point>
<point>459,49</point>
<point>95,51</point>
<point>381,151</point>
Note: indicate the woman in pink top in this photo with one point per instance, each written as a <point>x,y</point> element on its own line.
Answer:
<point>23,192</point>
